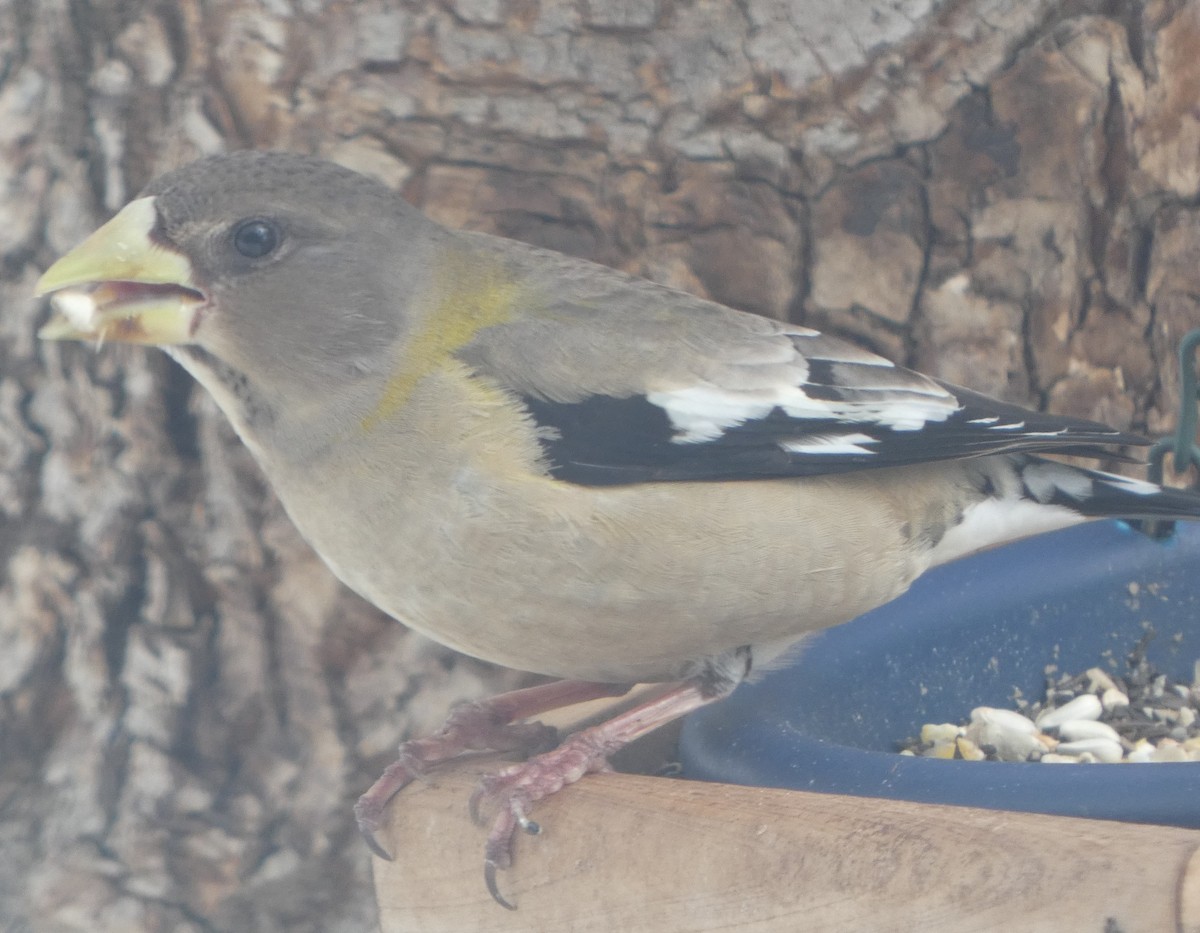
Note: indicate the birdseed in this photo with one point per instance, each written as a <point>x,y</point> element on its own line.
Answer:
<point>1096,716</point>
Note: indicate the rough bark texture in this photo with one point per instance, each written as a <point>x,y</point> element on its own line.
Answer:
<point>1001,192</point>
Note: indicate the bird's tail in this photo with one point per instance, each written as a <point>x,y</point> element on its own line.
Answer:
<point>1095,494</point>
<point>1022,495</point>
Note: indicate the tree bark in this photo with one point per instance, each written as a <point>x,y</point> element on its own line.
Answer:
<point>999,192</point>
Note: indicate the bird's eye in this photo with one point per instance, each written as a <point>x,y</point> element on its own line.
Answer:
<point>255,239</point>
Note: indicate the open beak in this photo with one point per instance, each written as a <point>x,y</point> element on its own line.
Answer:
<point>120,285</point>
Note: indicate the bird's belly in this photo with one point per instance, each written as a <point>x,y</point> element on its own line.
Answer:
<point>615,584</point>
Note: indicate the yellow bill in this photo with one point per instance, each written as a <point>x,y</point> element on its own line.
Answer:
<point>120,285</point>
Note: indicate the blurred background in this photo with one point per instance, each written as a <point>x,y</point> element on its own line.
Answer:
<point>1002,193</point>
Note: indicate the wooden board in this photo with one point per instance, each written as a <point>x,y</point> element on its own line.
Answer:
<point>633,853</point>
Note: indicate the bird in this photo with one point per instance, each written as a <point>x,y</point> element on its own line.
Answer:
<point>557,467</point>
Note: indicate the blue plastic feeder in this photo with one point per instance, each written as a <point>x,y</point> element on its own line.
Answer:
<point>967,635</point>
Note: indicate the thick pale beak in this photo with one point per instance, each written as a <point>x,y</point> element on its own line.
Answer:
<point>120,285</point>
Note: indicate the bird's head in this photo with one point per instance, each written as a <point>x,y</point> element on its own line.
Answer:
<point>278,274</point>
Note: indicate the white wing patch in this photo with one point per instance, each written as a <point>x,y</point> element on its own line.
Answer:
<point>844,444</point>
<point>704,412</point>
<point>892,399</point>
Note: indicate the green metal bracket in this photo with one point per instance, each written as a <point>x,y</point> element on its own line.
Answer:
<point>1182,444</point>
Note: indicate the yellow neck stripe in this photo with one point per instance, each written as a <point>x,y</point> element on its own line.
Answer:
<point>468,293</point>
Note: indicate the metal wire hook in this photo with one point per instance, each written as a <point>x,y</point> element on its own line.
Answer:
<point>1182,444</point>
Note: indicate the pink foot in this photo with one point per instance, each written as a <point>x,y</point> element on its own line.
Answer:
<point>512,792</point>
<point>496,725</point>
<point>471,727</point>
<point>491,725</point>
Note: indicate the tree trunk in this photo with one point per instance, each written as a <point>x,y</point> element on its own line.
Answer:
<point>999,192</point>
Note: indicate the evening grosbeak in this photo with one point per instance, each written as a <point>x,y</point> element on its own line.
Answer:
<point>553,466</point>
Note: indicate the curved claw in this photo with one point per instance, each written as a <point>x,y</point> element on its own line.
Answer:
<point>374,845</point>
<point>368,810</point>
<point>368,813</point>
<point>489,878</point>
<point>498,850</point>
<point>367,831</point>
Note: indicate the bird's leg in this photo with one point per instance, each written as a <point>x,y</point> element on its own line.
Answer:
<point>487,725</point>
<point>513,791</point>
